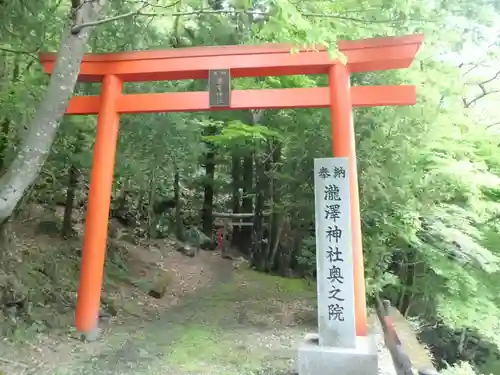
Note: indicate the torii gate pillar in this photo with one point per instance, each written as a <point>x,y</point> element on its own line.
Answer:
<point>344,145</point>
<point>336,349</point>
<point>96,229</point>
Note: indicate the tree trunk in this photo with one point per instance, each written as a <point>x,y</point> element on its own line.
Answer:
<point>258,255</point>
<point>4,141</point>
<point>208,201</point>
<point>406,275</point>
<point>6,122</point>
<point>177,198</point>
<point>236,203</point>
<point>151,202</point>
<point>67,227</point>
<point>275,222</point>
<point>260,238</point>
<point>42,130</point>
<point>293,245</point>
<point>5,237</point>
<point>248,192</point>
<point>245,238</point>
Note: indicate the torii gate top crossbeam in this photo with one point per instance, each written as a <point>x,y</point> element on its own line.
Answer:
<point>243,60</point>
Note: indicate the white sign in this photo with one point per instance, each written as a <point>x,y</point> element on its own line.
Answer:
<point>335,274</point>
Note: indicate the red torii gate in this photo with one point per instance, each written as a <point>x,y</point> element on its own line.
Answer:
<point>243,61</point>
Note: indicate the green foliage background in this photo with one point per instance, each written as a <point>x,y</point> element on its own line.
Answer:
<point>429,174</point>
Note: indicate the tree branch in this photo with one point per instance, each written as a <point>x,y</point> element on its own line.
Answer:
<point>16,52</point>
<point>474,66</point>
<point>32,54</point>
<point>5,360</point>
<point>492,125</point>
<point>491,79</point>
<point>484,91</point>
<point>139,12</point>
<point>486,81</point>
<point>477,63</point>
<point>491,219</point>
<point>77,28</point>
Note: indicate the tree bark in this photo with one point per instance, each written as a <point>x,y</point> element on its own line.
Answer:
<point>42,130</point>
<point>236,202</point>
<point>5,237</point>
<point>151,232</point>
<point>245,237</point>
<point>248,191</point>
<point>177,198</point>
<point>208,201</point>
<point>67,227</point>
<point>259,246</point>
<point>275,222</point>
<point>406,275</point>
<point>4,141</point>
<point>6,122</point>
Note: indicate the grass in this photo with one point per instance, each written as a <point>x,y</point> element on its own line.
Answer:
<point>46,278</point>
<point>243,348</point>
<point>234,327</point>
<point>276,284</point>
<point>201,347</point>
<point>237,329</point>
<point>248,325</point>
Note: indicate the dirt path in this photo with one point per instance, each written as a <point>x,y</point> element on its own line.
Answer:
<point>232,328</point>
<point>247,325</point>
<point>215,320</point>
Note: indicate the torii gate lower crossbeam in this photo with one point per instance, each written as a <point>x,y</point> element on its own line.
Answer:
<point>242,61</point>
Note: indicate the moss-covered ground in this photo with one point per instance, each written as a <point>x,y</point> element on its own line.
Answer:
<point>214,319</point>
<point>248,324</point>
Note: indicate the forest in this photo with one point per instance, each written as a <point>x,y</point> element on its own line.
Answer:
<point>429,174</point>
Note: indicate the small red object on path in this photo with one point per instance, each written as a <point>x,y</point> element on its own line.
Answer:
<point>220,237</point>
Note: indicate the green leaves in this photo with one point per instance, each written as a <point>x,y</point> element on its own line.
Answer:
<point>237,134</point>
<point>429,174</point>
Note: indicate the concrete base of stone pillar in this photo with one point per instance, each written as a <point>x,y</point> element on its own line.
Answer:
<point>324,360</point>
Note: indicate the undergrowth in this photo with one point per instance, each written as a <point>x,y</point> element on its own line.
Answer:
<point>461,368</point>
<point>39,279</point>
